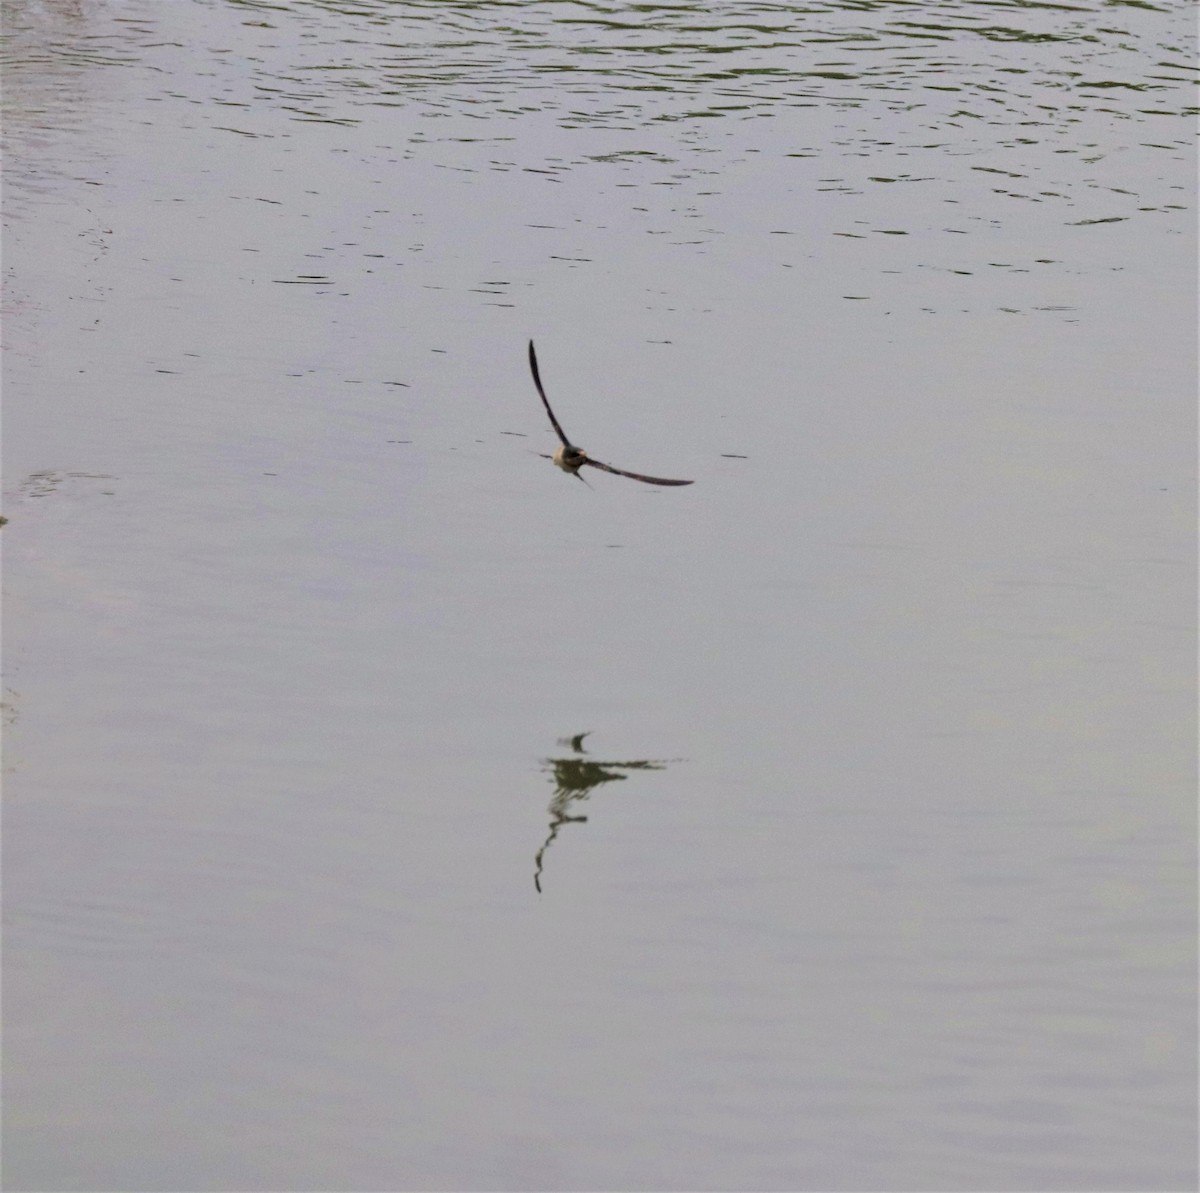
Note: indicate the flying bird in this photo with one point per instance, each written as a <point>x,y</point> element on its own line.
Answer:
<point>571,458</point>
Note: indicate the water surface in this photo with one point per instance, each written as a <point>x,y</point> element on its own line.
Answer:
<point>388,810</point>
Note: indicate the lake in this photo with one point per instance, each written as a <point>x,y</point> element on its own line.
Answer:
<point>388,810</point>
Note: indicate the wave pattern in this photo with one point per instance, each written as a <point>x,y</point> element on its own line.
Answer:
<point>1034,65</point>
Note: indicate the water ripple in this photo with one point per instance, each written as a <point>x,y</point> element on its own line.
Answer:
<point>684,62</point>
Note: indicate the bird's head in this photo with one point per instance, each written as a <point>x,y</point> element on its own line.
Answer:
<point>570,458</point>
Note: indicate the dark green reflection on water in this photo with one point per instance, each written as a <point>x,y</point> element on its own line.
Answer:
<point>627,67</point>
<point>574,778</point>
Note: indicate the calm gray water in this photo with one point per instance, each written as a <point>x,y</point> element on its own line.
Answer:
<point>387,810</point>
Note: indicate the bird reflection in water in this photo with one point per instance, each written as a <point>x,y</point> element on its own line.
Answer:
<point>574,778</point>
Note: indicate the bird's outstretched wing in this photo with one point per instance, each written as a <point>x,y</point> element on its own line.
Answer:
<point>637,476</point>
<point>537,380</point>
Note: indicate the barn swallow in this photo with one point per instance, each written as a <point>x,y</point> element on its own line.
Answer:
<point>571,458</point>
